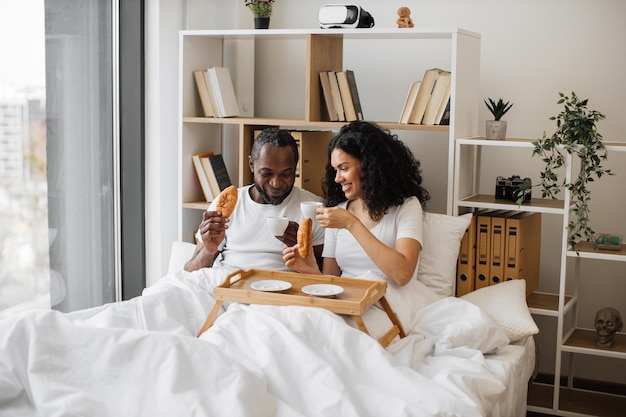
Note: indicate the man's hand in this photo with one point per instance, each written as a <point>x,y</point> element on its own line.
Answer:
<point>290,237</point>
<point>212,230</point>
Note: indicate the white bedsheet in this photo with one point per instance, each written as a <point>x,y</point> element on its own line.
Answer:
<point>258,361</point>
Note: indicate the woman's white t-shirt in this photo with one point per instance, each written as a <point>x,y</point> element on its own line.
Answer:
<point>403,221</point>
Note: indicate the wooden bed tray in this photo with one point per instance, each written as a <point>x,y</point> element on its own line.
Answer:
<point>358,295</point>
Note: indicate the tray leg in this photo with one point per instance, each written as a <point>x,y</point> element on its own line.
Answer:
<point>211,318</point>
<point>361,324</point>
<point>392,316</point>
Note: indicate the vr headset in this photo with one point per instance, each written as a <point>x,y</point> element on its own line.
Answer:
<point>344,16</point>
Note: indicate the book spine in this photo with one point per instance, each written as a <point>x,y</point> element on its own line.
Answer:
<point>354,92</point>
<point>220,171</point>
<point>346,96</point>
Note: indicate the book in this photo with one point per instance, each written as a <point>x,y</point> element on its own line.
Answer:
<point>203,92</point>
<point>423,95</point>
<point>328,97</point>
<point>220,171</point>
<point>334,88</point>
<point>346,96</point>
<point>211,178</point>
<point>211,94</point>
<point>445,117</point>
<point>444,106</point>
<point>224,93</point>
<point>409,102</point>
<point>437,97</point>
<point>202,177</point>
<point>354,92</point>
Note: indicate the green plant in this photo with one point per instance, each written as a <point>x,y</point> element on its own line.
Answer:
<point>498,109</point>
<point>576,135</point>
<point>260,8</point>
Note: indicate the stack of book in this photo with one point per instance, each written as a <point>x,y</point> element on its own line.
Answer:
<point>212,174</point>
<point>428,100</point>
<point>499,245</point>
<point>216,91</point>
<point>341,96</point>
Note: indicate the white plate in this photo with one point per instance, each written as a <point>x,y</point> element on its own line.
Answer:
<point>270,285</point>
<point>322,290</point>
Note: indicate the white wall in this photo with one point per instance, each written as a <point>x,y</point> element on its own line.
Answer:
<point>530,51</point>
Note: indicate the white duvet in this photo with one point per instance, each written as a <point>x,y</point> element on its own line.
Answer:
<point>254,361</point>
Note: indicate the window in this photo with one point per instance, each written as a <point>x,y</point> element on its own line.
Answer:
<point>60,198</point>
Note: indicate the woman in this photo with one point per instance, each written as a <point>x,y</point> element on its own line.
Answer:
<point>373,213</point>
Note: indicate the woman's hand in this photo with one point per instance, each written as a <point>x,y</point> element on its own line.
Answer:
<point>335,218</point>
<point>293,260</point>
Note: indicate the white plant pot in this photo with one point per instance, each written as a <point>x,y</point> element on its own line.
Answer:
<point>495,129</point>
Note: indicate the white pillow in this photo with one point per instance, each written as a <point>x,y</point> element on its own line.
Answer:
<point>438,258</point>
<point>180,254</point>
<point>506,304</point>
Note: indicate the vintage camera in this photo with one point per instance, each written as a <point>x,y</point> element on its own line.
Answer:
<point>512,188</point>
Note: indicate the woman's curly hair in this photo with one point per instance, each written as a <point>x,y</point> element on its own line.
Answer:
<point>389,171</point>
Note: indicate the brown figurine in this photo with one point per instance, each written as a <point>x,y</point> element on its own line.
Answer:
<point>404,19</point>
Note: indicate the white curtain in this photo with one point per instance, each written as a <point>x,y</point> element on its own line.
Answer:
<point>80,152</point>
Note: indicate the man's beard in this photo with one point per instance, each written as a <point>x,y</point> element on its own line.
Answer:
<point>267,199</point>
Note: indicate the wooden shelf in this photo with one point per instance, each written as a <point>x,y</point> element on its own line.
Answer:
<point>573,400</point>
<point>587,250</point>
<point>301,123</point>
<point>545,304</point>
<point>584,341</point>
<point>540,205</point>
<point>198,205</point>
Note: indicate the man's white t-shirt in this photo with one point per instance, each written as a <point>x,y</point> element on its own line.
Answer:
<point>249,243</point>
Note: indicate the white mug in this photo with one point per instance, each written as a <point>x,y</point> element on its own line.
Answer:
<point>277,225</point>
<point>308,208</point>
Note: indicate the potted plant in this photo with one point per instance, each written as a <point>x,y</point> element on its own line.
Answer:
<point>496,129</point>
<point>577,135</point>
<point>262,10</point>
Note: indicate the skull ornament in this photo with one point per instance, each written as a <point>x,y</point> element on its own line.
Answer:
<point>608,322</point>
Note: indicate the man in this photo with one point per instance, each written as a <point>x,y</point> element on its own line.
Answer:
<point>179,303</point>
<point>243,240</point>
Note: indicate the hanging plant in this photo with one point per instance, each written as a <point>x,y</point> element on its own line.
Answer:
<point>577,135</point>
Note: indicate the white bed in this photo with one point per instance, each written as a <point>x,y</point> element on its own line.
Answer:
<point>460,358</point>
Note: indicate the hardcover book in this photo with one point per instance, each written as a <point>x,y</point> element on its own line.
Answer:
<point>423,95</point>
<point>328,97</point>
<point>346,96</point>
<point>203,92</point>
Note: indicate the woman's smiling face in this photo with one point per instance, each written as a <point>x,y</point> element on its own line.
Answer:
<point>347,173</point>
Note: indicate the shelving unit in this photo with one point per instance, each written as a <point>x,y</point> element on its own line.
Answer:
<point>569,339</point>
<point>321,49</point>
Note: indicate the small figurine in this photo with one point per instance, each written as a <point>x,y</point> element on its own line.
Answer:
<point>608,322</point>
<point>404,19</point>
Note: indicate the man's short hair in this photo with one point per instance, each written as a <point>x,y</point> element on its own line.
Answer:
<point>275,137</point>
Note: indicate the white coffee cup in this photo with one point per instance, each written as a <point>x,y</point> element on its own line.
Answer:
<point>308,208</point>
<point>277,225</point>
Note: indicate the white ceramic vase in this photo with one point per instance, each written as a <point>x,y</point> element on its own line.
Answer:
<point>495,129</point>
